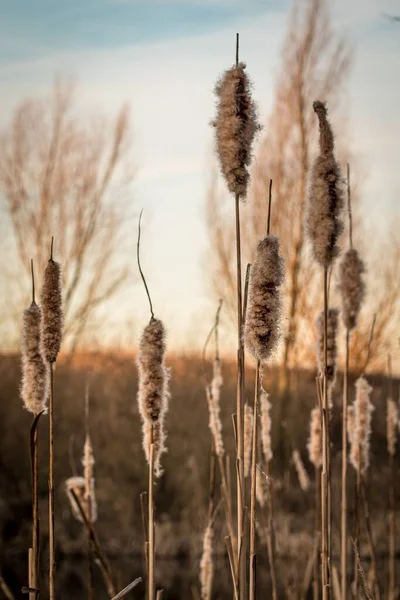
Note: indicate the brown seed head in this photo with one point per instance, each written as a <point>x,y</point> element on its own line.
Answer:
<point>314,445</point>
<point>351,286</point>
<point>262,326</point>
<point>359,453</point>
<point>331,343</point>
<point>52,319</point>
<point>34,387</point>
<point>158,443</point>
<point>325,196</point>
<point>235,125</point>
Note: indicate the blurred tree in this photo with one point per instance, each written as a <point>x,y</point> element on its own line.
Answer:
<point>64,174</point>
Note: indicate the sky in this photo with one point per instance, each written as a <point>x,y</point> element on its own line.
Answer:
<point>162,58</point>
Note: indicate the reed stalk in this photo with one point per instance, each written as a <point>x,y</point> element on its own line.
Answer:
<point>325,515</point>
<point>392,429</point>
<point>271,546</point>
<point>343,547</point>
<point>253,557</point>
<point>151,583</point>
<point>52,559</point>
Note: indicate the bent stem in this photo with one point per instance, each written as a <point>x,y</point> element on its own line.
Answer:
<point>252,571</point>
<point>344,472</point>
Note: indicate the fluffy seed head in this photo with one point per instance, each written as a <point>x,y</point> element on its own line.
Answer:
<point>261,488</point>
<point>34,388</point>
<point>359,453</point>
<point>314,445</point>
<point>392,420</point>
<point>351,286</point>
<point>301,472</point>
<point>265,417</point>
<point>325,196</point>
<point>206,564</point>
<point>213,393</point>
<point>248,436</point>
<point>88,472</point>
<point>350,423</point>
<point>262,326</point>
<point>77,484</point>
<point>158,442</point>
<point>235,125</point>
<point>52,318</point>
<point>331,344</point>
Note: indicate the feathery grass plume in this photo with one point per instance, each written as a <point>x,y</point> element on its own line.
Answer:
<point>392,420</point>
<point>158,443</point>
<point>35,381</point>
<point>314,445</point>
<point>265,303</point>
<point>325,195</point>
<point>350,423</point>
<point>206,564</point>
<point>351,286</point>
<point>301,472</point>
<point>52,315</point>
<point>213,393</point>
<point>331,346</point>
<point>359,453</point>
<point>88,471</point>
<point>236,125</point>
<point>248,436</point>
<point>78,485</point>
<point>261,488</point>
<point>265,417</point>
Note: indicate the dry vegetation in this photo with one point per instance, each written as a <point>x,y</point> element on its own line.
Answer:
<point>125,480</point>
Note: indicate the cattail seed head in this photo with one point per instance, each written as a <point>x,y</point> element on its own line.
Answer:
<point>213,393</point>
<point>154,429</point>
<point>34,388</point>
<point>359,453</point>
<point>235,125</point>
<point>350,423</point>
<point>78,485</point>
<point>392,420</point>
<point>265,417</point>
<point>88,473</point>
<point>351,286</point>
<point>262,325</point>
<point>52,315</point>
<point>261,488</point>
<point>206,564</point>
<point>325,196</point>
<point>331,344</point>
<point>314,445</point>
<point>248,436</point>
<point>301,472</point>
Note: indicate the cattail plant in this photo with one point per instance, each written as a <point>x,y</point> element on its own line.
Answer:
<point>352,291</point>
<point>52,326</point>
<point>248,435</point>
<point>314,447</point>
<point>323,225</point>
<point>301,471</point>
<point>235,127</point>
<point>331,343</point>
<point>153,396</point>
<point>392,425</point>
<point>261,333</point>
<point>34,394</point>
<point>206,564</point>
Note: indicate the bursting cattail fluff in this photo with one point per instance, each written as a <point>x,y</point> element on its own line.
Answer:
<point>52,315</point>
<point>314,445</point>
<point>206,564</point>
<point>301,472</point>
<point>265,417</point>
<point>351,286</point>
<point>261,488</point>
<point>214,422</point>
<point>88,473</point>
<point>235,127</point>
<point>78,485</point>
<point>325,195</point>
<point>34,388</point>
<point>392,420</point>
<point>248,436</point>
<point>359,454</point>
<point>331,344</point>
<point>153,392</point>
<point>350,423</point>
<point>262,325</point>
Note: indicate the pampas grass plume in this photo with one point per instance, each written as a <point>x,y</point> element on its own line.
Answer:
<point>248,436</point>
<point>392,420</point>
<point>265,408</point>
<point>52,315</point>
<point>325,196</point>
<point>263,314</point>
<point>314,445</point>
<point>235,125</point>
<point>351,286</point>
<point>331,342</point>
<point>35,385</point>
<point>359,454</point>
<point>206,564</point>
<point>301,472</point>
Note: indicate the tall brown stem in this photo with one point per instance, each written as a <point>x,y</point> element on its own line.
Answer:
<point>325,516</point>
<point>271,536</point>
<point>317,527</point>
<point>344,472</point>
<point>52,561</point>
<point>252,571</point>
<point>392,528</point>
<point>151,587</point>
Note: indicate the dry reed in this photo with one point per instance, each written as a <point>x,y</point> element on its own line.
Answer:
<point>314,445</point>
<point>248,436</point>
<point>265,422</point>
<point>206,564</point>
<point>331,347</point>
